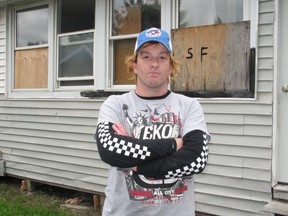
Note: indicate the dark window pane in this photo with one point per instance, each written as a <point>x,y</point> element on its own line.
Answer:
<point>77,83</point>
<point>76,15</point>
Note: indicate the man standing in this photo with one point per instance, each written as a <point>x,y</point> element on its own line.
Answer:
<point>154,139</point>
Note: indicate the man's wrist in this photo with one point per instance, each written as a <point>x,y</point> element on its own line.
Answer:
<point>179,143</point>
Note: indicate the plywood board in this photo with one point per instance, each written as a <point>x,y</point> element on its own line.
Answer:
<point>213,58</point>
<point>123,48</point>
<point>31,68</point>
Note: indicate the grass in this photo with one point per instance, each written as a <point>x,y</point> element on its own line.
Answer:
<point>44,201</point>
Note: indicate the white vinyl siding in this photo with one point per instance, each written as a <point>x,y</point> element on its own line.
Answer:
<point>2,49</point>
<point>237,180</point>
<point>51,140</point>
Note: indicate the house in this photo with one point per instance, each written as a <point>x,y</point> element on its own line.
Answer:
<point>50,95</point>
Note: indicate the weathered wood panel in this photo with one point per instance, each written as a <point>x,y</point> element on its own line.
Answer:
<point>31,68</point>
<point>130,23</point>
<point>213,58</point>
<point>123,48</point>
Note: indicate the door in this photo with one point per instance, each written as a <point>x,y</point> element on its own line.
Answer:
<point>283,93</point>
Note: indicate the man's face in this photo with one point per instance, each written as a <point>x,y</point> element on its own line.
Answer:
<point>153,67</point>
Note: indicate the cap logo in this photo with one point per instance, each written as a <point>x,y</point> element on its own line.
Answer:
<point>153,33</point>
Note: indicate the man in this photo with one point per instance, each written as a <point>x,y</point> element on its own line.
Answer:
<point>154,139</point>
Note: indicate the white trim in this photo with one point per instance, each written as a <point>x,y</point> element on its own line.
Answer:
<point>100,44</point>
<point>32,47</point>
<point>11,92</point>
<point>166,15</point>
<point>275,100</point>
<point>52,34</point>
<point>254,10</point>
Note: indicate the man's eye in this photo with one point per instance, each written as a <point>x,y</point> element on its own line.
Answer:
<point>147,57</point>
<point>163,57</point>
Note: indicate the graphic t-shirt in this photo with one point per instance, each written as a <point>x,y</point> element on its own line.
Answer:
<point>129,193</point>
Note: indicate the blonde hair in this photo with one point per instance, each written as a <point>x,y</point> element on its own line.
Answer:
<point>133,59</point>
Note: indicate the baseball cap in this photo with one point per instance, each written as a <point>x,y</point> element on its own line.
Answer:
<point>153,34</point>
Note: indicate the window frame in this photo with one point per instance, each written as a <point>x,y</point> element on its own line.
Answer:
<point>27,92</point>
<point>75,78</point>
<point>165,24</point>
<point>103,49</point>
<point>250,13</point>
<point>33,47</point>
<point>249,8</point>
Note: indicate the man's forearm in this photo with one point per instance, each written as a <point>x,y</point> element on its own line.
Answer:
<point>124,151</point>
<point>188,160</point>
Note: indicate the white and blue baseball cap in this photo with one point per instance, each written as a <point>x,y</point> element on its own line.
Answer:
<point>153,34</point>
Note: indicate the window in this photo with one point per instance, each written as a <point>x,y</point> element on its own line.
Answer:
<point>213,43</point>
<point>63,46</point>
<point>128,19</point>
<point>31,49</point>
<point>76,23</point>
<point>31,31</point>
<point>199,13</point>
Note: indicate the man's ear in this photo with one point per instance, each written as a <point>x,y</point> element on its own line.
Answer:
<point>134,68</point>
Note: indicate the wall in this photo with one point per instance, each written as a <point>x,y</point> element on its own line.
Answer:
<point>2,49</point>
<point>51,140</point>
<point>237,180</point>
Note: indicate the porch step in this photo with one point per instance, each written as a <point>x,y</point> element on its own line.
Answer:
<point>280,192</point>
<point>276,207</point>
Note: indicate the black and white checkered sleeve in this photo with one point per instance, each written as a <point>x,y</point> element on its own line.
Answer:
<point>190,159</point>
<point>196,166</point>
<point>123,151</point>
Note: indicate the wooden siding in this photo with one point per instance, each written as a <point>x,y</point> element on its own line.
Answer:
<point>2,49</point>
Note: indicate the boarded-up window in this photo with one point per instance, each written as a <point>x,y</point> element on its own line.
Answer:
<point>31,68</point>
<point>31,48</point>
<point>213,58</point>
<point>122,48</point>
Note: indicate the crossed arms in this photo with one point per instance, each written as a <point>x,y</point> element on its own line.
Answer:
<point>159,158</point>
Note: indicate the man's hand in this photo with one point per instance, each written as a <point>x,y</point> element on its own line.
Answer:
<point>119,129</point>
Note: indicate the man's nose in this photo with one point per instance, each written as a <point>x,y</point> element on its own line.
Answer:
<point>154,61</point>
